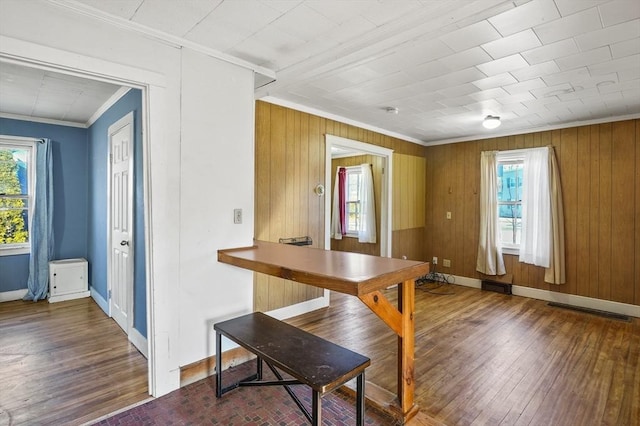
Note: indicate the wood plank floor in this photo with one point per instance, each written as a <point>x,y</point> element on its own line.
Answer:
<point>65,363</point>
<point>484,358</point>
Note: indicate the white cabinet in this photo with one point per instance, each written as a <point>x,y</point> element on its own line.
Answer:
<point>68,279</point>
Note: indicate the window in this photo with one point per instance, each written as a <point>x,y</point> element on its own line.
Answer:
<point>16,190</point>
<point>510,171</point>
<point>352,200</point>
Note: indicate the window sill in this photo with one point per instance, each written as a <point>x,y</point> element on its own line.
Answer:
<point>14,251</point>
<point>511,251</point>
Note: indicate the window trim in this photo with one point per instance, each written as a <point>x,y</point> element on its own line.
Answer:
<point>22,143</point>
<point>509,157</point>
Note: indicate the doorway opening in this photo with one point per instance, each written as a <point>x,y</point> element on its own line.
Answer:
<point>337,146</point>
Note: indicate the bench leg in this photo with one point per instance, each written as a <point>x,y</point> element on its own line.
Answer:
<point>360,400</point>
<point>218,365</point>
<point>316,409</point>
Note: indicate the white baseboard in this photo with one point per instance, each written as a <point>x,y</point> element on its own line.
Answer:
<point>567,299</point>
<point>139,341</point>
<point>99,300</point>
<point>69,296</point>
<point>301,308</point>
<point>8,296</point>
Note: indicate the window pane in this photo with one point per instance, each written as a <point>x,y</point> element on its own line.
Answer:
<point>353,182</point>
<point>509,202</point>
<point>14,216</point>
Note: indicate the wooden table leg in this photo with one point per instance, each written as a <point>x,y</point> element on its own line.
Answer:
<point>400,320</point>
<point>406,347</point>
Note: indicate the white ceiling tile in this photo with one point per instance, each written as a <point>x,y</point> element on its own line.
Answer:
<point>489,94</point>
<point>470,36</point>
<point>569,26</point>
<point>528,15</point>
<point>429,70</point>
<point>495,81</point>
<point>515,43</point>
<point>629,74</point>
<point>465,59</point>
<point>123,8</point>
<point>578,94</point>
<point>552,91</point>
<point>525,86</point>
<point>569,7</point>
<point>626,31</point>
<point>622,64</point>
<point>351,29</point>
<point>381,12</point>
<point>305,23</point>
<point>175,18</point>
<point>455,102</point>
<point>456,91</point>
<point>625,48</point>
<point>336,10</point>
<point>583,59</point>
<point>619,11</point>
<point>502,65</point>
<point>551,51</point>
<point>538,70</point>
<point>574,76</point>
<point>519,97</point>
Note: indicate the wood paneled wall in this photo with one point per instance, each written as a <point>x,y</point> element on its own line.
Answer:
<point>600,175</point>
<point>289,163</point>
<point>348,243</point>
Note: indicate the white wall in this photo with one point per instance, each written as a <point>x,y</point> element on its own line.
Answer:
<point>200,128</point>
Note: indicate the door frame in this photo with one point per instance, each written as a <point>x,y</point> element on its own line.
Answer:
<point>386,190</point>
<point>163,370</point>
<point>114,128</point>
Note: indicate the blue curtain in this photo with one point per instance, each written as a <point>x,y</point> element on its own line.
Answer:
<point>41,232</point>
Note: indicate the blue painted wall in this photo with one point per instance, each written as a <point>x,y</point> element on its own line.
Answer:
<point>70,199</point>
<point>97,211</point>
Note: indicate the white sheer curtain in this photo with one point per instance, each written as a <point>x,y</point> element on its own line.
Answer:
<point>367,228</point>
<point>489,261</point>
<point>542,241</point>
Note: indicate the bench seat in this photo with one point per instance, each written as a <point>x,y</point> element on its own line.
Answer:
<point>309,359</point>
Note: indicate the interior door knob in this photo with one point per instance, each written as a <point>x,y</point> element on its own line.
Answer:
<point>124,243</point>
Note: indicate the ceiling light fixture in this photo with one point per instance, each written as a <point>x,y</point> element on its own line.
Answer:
<point>491,121</point>
<point>392,110</point>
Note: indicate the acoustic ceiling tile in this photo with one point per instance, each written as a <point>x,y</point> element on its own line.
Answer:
<point>625,48</point>
<point>616,12</point>
<point>470,36</point>
<point>525,86</point>
<point>569,7</point>
<point>514,43</point>
<point>583,59</point>
<point>506,64</point>
<point>569,26</point>
<point>495,81</point>
<point>631,63</point>
<point>465,59</point>
<point>538,70</point>
<point>629,30</point>
<point>551,51</point>
<point>574,76</point>
<point>528,15</point>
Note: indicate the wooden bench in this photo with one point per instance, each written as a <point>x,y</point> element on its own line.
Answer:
<point>309,359</point>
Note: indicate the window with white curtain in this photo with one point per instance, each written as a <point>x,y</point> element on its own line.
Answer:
<point>521,211</point>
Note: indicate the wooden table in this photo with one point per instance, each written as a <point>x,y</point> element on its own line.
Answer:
<point>356,274</point>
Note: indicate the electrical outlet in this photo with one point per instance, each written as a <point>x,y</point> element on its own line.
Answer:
<point>237,215</point>
<point>434,260</point>
<point>446,263</point>
<point>448,215</point>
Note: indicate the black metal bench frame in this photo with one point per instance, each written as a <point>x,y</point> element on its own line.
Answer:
<point>324,366</point>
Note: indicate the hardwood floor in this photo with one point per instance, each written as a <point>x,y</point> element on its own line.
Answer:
<point>484,358</point>
<point>65,363</point>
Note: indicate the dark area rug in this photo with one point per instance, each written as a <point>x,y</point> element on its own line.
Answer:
<point>196,404</point>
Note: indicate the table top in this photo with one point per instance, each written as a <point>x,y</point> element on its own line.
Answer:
<point>350,273</point>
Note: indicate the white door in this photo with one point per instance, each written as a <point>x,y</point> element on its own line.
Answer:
<point>120,260</point>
